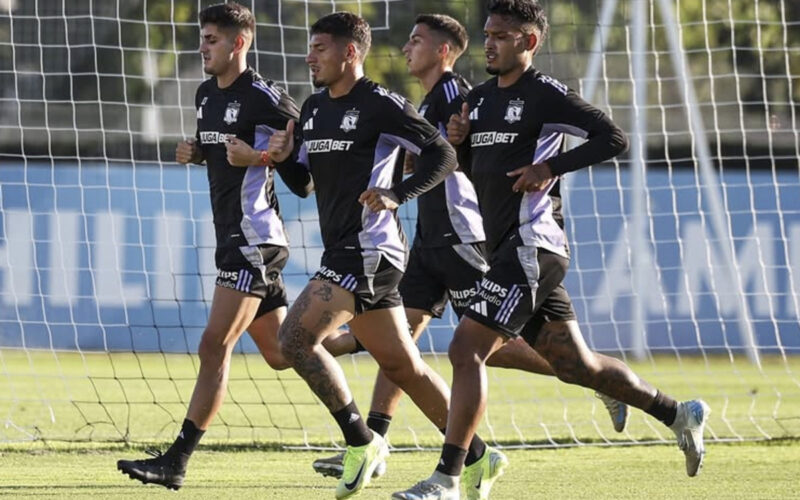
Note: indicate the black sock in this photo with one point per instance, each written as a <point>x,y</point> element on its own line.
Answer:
<point>379,422</point>
<point>663,408</point>
<point>358,348</point>
<point>475,451</point>
<point>185,443</point>
<point>356,432</point>
<point>452,460</point>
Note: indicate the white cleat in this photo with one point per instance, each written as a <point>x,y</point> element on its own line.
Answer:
<point>431,489</point>
<point>616,409</point>
<point>688,428</point>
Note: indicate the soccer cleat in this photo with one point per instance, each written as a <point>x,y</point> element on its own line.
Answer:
<point>332,466</point>
<point>428,490</point>
<point>479,477</point>
<point>688,428</point>
<point>359,464</point>
<point>162,469</point>
<point>616,409</point>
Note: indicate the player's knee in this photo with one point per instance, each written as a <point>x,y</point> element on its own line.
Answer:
<point>211,351</point>
<point>577,371</point>
<point>462,354</point>
<point>401,373</point>
<point>276,360</point>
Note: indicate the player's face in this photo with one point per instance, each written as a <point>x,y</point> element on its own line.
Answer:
<point>421,50</point>
<point>326,59</point>
<point>505,45</point>
<point>216,48</point>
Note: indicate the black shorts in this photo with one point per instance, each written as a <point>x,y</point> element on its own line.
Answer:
<point>254,270</point>
<point>522,290</point>
<point>435,275</point>
<point>367,275</point>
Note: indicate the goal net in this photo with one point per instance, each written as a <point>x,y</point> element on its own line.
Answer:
<point>685,251</point>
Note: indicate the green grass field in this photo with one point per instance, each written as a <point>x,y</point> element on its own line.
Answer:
<point>732,471</point>
<point>68,418</point>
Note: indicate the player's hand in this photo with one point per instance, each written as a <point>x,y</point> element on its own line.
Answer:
<point>458,126</point>
<point>531,177</point>
<point>240,154</point>
<point>187,151</point>
<point>377,199</point>
<point>281,143</point>
<point>408,163</point>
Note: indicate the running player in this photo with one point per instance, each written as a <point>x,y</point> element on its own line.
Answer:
<point>515,124</point>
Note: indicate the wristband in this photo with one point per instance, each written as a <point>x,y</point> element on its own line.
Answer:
<point>265,159</point>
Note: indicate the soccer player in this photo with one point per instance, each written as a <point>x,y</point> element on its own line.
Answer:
<point>515,124</point>
<point>236,110</point>
<point>447,256</point>
<point>349,139</point>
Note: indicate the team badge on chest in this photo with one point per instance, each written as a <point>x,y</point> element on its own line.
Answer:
<point>514,110</point>
<point>349,120</point>
<point>232,112</point>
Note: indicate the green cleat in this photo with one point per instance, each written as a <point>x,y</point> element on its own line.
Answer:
<point>479,477</point>
<point>333,466</point>
<point>359,464</point>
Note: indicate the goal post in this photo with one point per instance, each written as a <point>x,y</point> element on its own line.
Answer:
<point>685,251</point>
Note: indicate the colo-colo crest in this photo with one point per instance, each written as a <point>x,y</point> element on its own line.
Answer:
<point>514,110</point>
<point>349,120</point>
<point>232,112</point>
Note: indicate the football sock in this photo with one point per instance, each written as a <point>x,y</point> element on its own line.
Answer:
<point>185,443</point>
<point>664,408</point>
<point>476,449</point>
<point>379,422</point>
<point>452,460</point>
<point>356,432</point>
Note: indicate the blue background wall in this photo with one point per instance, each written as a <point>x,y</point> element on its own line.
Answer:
<point>120,257</point>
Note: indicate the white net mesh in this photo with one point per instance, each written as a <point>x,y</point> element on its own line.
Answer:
<point>685,251</point>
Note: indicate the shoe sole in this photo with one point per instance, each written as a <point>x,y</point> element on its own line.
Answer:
<point>142,477</point>
<point>697,457</point>
<point>335,471</point>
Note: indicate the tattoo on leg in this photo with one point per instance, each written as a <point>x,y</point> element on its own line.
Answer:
<point>325,292</point>
<point>606,374</point>
<point>310,361</point>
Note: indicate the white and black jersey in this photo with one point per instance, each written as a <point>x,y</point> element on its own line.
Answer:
<point>351,143</point>
<point>448,214</point>
<point>522,124</point>
<point>243,200</point>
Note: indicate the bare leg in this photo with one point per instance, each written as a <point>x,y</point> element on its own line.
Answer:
<point>319,310</point>
<point>264,332</point>
<point>562,345</point>
<point>231,312</point>
<point>472,344</point>
<point>383,333</point>
<point>517,354</point>
<point>386,395</point>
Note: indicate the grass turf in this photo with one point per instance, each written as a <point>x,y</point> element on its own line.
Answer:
<point>744,470</point>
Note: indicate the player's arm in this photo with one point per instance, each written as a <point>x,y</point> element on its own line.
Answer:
<point>570,114</point>
<point>289,155</point>
<point>574,116</point>
<point>436,158</point>
<point>288,151</point>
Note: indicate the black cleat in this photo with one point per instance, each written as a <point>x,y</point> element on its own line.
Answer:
<point>165,470</point>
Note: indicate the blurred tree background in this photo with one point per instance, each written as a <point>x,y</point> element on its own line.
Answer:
<point>114,80</point>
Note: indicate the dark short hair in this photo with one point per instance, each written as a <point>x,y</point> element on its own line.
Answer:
<point>231,17</point>
<point>529,13</point>
<point>347,26</point>
<point>449,28</point>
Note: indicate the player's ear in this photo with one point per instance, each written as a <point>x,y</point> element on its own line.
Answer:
<point>351,53</point>
<point>444,50</point>
<point>531,42</point>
